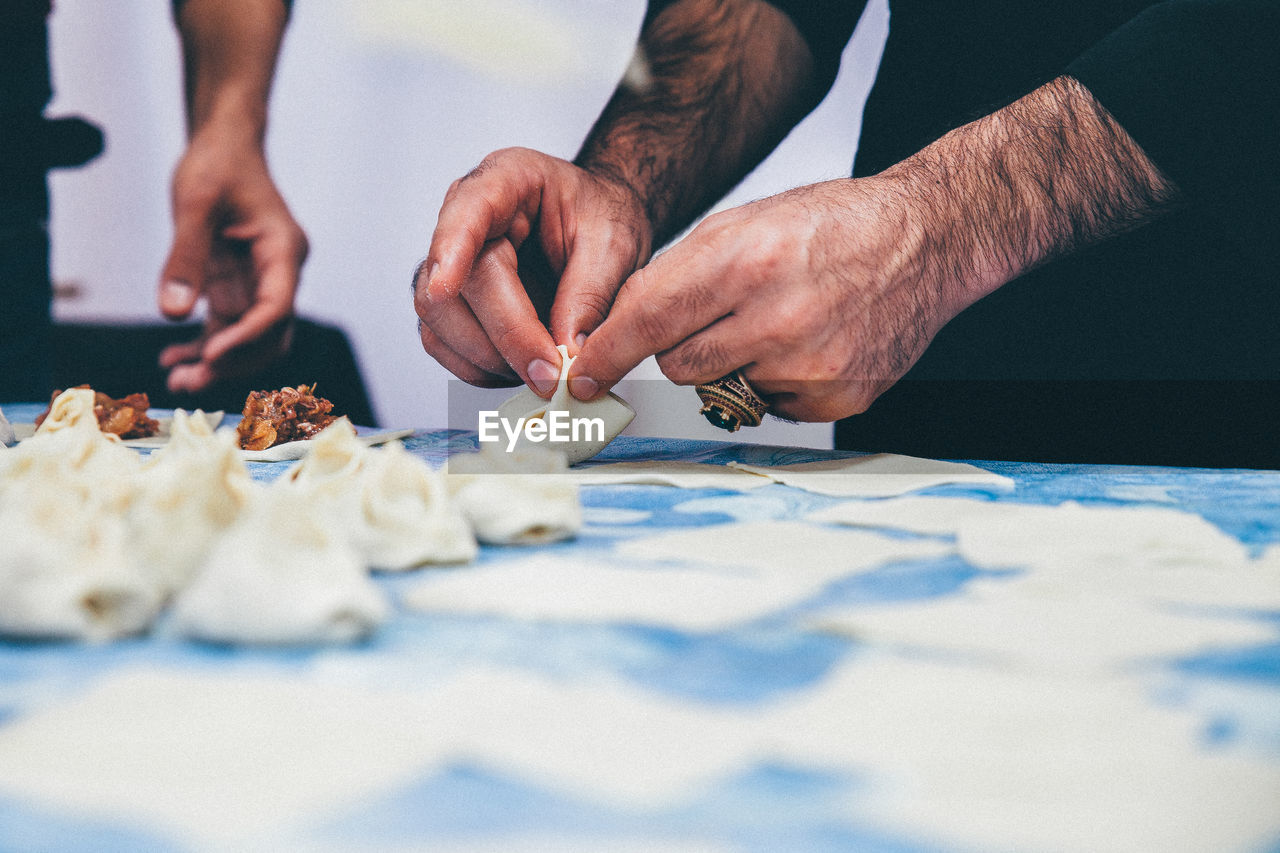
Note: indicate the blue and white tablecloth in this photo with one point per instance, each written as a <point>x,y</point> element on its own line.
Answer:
<point>456,731</point>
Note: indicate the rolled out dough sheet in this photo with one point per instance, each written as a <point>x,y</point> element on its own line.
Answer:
<point>936,516</point>
<point>227,761</point>
<point>1091,633</point>
<point>555,589</point>
<point>682,475</point>
<point>800,554</point>
<point>876,475</point>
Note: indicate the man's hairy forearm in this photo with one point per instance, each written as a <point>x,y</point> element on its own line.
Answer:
<point>1051,173</point>
<point>715,86</point>
<point>229,52</point>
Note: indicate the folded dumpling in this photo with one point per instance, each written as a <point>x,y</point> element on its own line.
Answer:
<point>405,518</point>
<point>66,570</point>
<point>71,455</point>
<point>190,491</point>
<point>282,574</point>
<point>392,505</point>
<point>524,497</point>
<point>588,426</point>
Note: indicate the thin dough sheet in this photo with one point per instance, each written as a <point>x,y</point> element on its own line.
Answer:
<point>879,475</point>
<point>682,475</point>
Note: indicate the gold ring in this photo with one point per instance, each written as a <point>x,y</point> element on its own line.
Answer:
<point>731,402</point>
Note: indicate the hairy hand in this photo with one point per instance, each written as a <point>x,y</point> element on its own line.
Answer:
<point>236,244</point>
<point>827,294</point>
<point>816,294</point>
<point>522,241</point>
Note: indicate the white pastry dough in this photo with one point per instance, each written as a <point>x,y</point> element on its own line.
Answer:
<point>876,476</point>
<point>524,497</point>
<point>917,514</point>
<point>281,575</point>
<point>681,475</point>
<point>65,569</point>
<point>70,456</point>
<point>1072,540</point>
<point>392,505</point>
<point>405,516</point>
<point>611,409</point>
<point>195,485</point>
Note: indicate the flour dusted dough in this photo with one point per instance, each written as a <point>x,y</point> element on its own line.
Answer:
<point>190,491</point>
<point>875,476</point>
<point>524,497</point>
<point>282,574</point>
<point>611,409</point>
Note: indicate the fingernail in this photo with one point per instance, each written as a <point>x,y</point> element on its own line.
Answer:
<point>583,387</point>
<point>543,375</point>
<point>174,290</point>
<point>581,340</point>
<point>431,280</point>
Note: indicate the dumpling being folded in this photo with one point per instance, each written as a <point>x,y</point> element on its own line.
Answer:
<point>524,497</point>
<point>281,575</point>
<point>393,506</point>
<point>66,570</point>
<point>589,426</point>
<point>194,487</point>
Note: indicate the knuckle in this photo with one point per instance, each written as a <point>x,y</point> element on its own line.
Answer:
<point>699,357</point>
<point>693,300</point>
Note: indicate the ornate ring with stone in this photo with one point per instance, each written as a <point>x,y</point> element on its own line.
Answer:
<point>730,402</point>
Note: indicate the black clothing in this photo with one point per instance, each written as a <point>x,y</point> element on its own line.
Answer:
<point>30,145</point>
<point>1159,346</point>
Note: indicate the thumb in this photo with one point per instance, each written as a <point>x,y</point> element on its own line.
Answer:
<point>182,278</point>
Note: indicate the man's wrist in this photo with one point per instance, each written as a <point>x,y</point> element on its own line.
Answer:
<point>236,114</point>
<point>1047,175</point>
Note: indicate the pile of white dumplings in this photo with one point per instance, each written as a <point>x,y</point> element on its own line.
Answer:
<point>96,543</point>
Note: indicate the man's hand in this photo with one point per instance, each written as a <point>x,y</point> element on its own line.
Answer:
<point>824,296</point>
<point>816,294</point>
<point>523,240</point>
<point>236,244</point>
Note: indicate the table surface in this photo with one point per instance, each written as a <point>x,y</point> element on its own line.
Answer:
<point>458,732</point>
